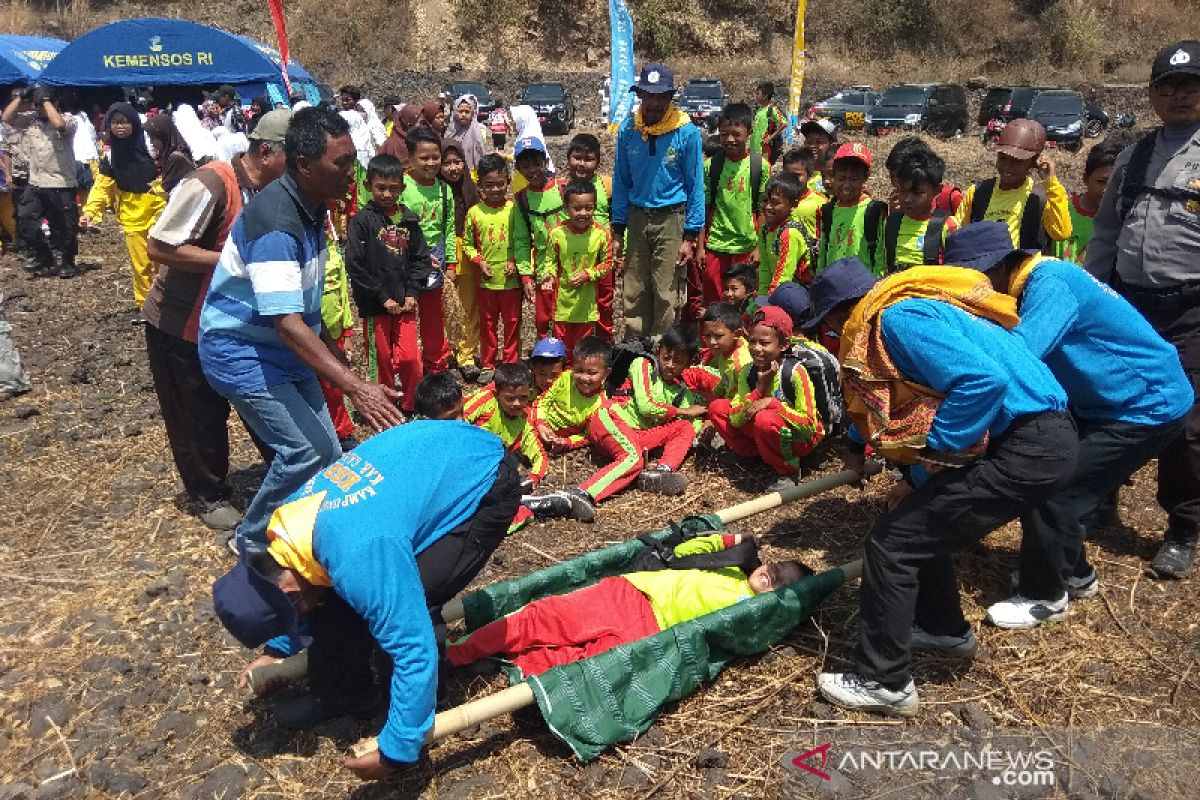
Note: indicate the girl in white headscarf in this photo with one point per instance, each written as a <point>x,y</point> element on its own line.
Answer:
<point>374,124</point>
<point>200,140</point>
<point>526,123</point>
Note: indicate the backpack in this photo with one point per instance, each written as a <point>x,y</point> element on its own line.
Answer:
<point>875,211</point>
<point>825,375</point>
<point>947,200</point>
<point>717,163</point>
<point>932,248</point>
<point>1033,234</point>
<point>522,198</point>
<point>659,554</point>
<point>1133,184</point>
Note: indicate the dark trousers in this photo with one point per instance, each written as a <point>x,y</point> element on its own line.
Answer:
<point>908,574</point>
<point>195,416</point>
<point>344,660</point>
<point>60,210</point>
<point>1179,461</point>
<point>1053,533</point>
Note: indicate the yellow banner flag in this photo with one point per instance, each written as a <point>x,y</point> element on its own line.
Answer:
<point>797,82</point>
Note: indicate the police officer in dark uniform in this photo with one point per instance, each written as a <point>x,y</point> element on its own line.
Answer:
<point>1146,243</point>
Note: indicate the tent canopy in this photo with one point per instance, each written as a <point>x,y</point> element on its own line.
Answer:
<point>23,58</point>
<point>162,52</point>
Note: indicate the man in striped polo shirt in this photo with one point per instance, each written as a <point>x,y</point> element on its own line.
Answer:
<point>262,345</point>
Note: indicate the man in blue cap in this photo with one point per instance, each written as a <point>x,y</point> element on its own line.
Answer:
<point>658,200</point>
<point>1127,390</point>
<point>935,379</point>
<point>368,551</point>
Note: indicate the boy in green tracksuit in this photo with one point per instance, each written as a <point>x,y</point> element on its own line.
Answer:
<point>782,248</point>
<point>852,223</point>
<point>769,121</point>
<point>733,205</point>
<point>1096,171</point>
<point>583,164</point>
<point>801,162</point>
<point>561,629</point>
<point>915,234</point>
<point>579,253</point>
<point>427,196</point>
<point>539,209</point>
<point>653,409</point>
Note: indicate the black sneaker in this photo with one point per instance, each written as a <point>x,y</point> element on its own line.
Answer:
<point>548,506</point>
<point>583,507</point>
<point>69,271</point>
<point>1174,559</point>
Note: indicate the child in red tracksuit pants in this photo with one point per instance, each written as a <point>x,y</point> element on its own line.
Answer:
<point>781,426</point>
<point>565,628</point>
<point>488,243</point>
<point>652,410</point>
<point>387,261</point>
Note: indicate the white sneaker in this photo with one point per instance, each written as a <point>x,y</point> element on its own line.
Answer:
<point>1018,613</point>
<point>965,646</point>
<point>851,690</point>
<point>1077,588</point>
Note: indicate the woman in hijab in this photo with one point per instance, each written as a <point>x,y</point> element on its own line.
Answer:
<point>200,141</point>
<point>433,115</point>
<point>169,150</point>
<point>407,118</point>
<point>465,129</point>
<point>466,274</point>
<point>129,180</point>
<point>374,124</point>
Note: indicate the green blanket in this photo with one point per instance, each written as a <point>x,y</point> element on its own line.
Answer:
<point>614,696</point>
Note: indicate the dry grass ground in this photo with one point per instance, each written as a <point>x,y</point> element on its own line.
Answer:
<point>115,675</point>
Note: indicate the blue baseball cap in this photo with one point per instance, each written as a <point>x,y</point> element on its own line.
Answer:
<point>981,246</point>
<point>847,279</point>
<point>549,347</point>
<point>656,79</point>
<point>529,143</point>
<point>794,299</point>
<point>251,606</point>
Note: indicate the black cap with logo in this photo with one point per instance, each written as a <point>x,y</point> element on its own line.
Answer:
<point>1182,58</point>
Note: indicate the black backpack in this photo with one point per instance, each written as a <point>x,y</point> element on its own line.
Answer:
<point>717,163</point>
<point>932,250</point>
<point>1033,233</point>
<point>1133,184</point>
<point>659,554</point>
<point>824,373</point>
<point>618,383</point>
<point>874,216</point>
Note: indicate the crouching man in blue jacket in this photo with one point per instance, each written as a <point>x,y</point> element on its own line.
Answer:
<point>368,551</point>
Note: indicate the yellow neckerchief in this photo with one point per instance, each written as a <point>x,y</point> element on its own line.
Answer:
<point>1017,281</point>
<point>673,119</point>
<point>291,534</point>
<point>892,413</point>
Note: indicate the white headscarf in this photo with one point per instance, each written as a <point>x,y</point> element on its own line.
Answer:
<point>200,140</point>
<point>374,123</point>
<point>230,145</point>
<point>84,140</point>
<point>526,123</point>
<point>300,104</point>
<point>359,135</point>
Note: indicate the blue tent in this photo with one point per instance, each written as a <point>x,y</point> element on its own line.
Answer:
<point>22,58</point>
<point>167,52</point>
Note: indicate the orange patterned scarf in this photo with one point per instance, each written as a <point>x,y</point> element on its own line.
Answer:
<point>892,413</point>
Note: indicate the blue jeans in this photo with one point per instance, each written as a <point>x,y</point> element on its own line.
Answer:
<point>292,420</point>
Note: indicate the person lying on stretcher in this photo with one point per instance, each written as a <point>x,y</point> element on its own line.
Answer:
<point>564,628</point>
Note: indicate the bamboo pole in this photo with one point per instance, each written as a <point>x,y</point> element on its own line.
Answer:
<point>453,610</point>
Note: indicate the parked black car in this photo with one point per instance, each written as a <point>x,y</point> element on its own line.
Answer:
<point>848,108</point>
<point>703,99</point>
<point>1063,114</point>
<point>937,108</point>
<point>552,104</point>
<point>483,94</point>
<point>1004,103</point>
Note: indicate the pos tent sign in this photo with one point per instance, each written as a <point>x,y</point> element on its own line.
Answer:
<point>163,52</point>
<point>23,59</point>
